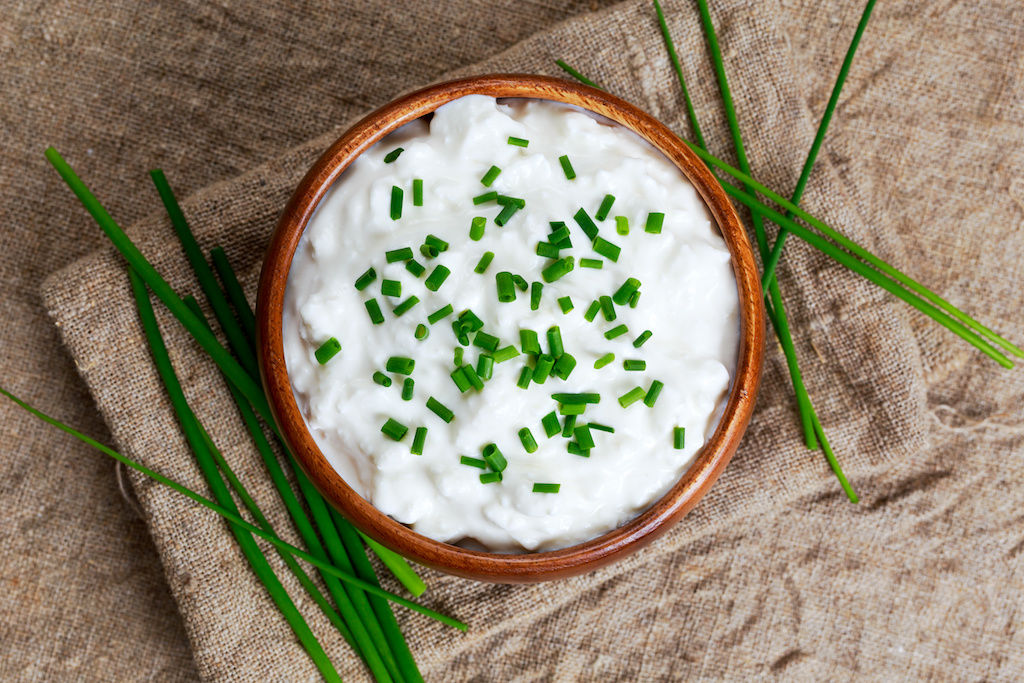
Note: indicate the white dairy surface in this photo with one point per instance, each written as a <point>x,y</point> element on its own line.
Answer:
<point>689,302</point>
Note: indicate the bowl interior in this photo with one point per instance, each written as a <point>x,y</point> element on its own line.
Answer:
<point>524,567</point>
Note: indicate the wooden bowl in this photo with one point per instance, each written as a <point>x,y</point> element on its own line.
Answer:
<point>526,567</point>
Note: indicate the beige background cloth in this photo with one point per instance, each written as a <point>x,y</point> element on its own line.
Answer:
<point>773,574</point>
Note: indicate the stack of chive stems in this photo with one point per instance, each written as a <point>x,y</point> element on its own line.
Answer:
<point>816,232</point>
<point>360,612</point>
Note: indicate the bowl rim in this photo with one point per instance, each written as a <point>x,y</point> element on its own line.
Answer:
<point>489,566</point>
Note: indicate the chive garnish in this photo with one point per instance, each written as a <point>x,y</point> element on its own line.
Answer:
<point>622,225</point>
<point>550,424</point>
<point>526,438</point>
<point>364,280</point>
<point>506,287</point>
<point>564,366</point>
<point>396,202</point>
<point>652,394</point>
<point>525,376</point>
<point>635,299</point>
<point>631,397</point>
<point>592,310</point>
<point>415,267</point>
<point>505,353</point>
<point>373,308</point>
<point>429,251</point>
<point>485,366</point>
<point>417,192</point>
<point>494,457</point>
<point>607,249</point>
<point>644,336</point>
<point>565,303</point>
<point>622,294</point>
<point>574,449</point>
<point>492,173</point>
<point>586,223</point>
<point>570,399</point>
<point>567,167</point>
<point>406,305</point>
<point>568,426</point>
<point>418,440</point>
<point>543,368</point>
<point>555,347</point>
<point>529,343</point>
<point>487,342</point>
<point>394,429</point>
<point>381,379</point>
<point>596,264</point>
<point>583,437</point>
<point>536,290</point>
<point>476,228</point>
<point>440,409</point>
<point>518,142</point>
<point>392,155</point>
<point>634,365</point>
<point>440,314</point>
<point>490,477</point>
<point>546,488</point>
<point>469,320</point>
<point>473,462</point>
<point>391,288</point>
<point>605,208</point>
<point>679,438</point>
<point>506,214</point>
<point>520,282</point>
<point>558,269</point>
<point>654,223</point>
<point>607,309</point>
<point>407,388</point>
<point>604,360</point>
<point>474,379</point>
<point>560,235</point>
<point>484,261</point>
<point>437,278</point>
<point>547,250</point>
<point>457,356</point>
<point>327,350</point>
<point>601,428</point>
<point>616,331</point>
<point>422,332</point>
<point>572,408</point>
<point>485,197</point>
<point>400,365</point>
<point>395,255</point>
<point>436,242</point>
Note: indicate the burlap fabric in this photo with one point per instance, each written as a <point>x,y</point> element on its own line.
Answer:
<point>772,574</point>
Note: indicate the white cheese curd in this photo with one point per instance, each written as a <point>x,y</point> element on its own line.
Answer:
<point>688,301</point>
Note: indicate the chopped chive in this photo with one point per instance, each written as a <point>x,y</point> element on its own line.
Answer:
<point>526,437</point>
<point>485,197</point>
<point>634,365</point>
<point>572,408</point>
<point>592,310</point>
<point>492,173</point>
<point>622,225</point>
<point>460,335</point>
<point>505,353</point>
<point>622,294</point>
<point>381,379</point>
<point>564,366</point>
<point>506,200</point>
<point>568,426</point>
<point>547,250</point>
<point>418,440</point>
<point>429,251</point>
<point>565,303</point>
<point>417,192</point>
<point>392,155</point>
<point>484,261</point>
<point>400,364</point>
<point>457,357</point>
<point>596,264</point>
<point>529,343</point>
<point>607,249</point>
<point>458,376</point>
<point>604,360</point>
<point>506,287</point>
<point>631,397</point>
<point>373,308</point>
<point>485,366</point>
<point>440,314</point>
<point>652,394</point>
<point>616,331</point>
<point>568,399</point>
<point>487,342</point>
<point>635,299</point>
<point>364,280</point>
<point>525,376</point>
<point>679,438</point>
<point>473,462</point>
<point>391,288</point>
<point>583,437</point>
<point>654,223</point>
<point>422,332</point>
<point>536,290</point>
<point>415,267</point>
<point>586,223</point>
<point>574,449</point>
<point>327,350</point>
<point>407,388</point>
<point>506,214</point>
<point>437,242</point>
<point>396,202</point>
<point>543,368</point>
<point>567,166</point>
<point>394,430</point>
<point>490,477</point>
<point>558,269</point>
<point>546,488</point>
<point>605,208</point>
<point>437,278</point>
<point>395,255</point>
<point>474,379</point>
<point>440,409</point>
<point>470,321</point>
<point>644,336</point>
<point>601,428</point>
<point>406,305</point>
<point>521,282</point>
<point>555,347</point>
<point>476,228</point>
<point>518,142</point>
<point>560,236</point>
<point>494,457</point>
<point>607,309</point>
<point>550,424</point>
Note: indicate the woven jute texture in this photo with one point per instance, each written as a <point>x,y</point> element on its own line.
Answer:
<point>772,574</point>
